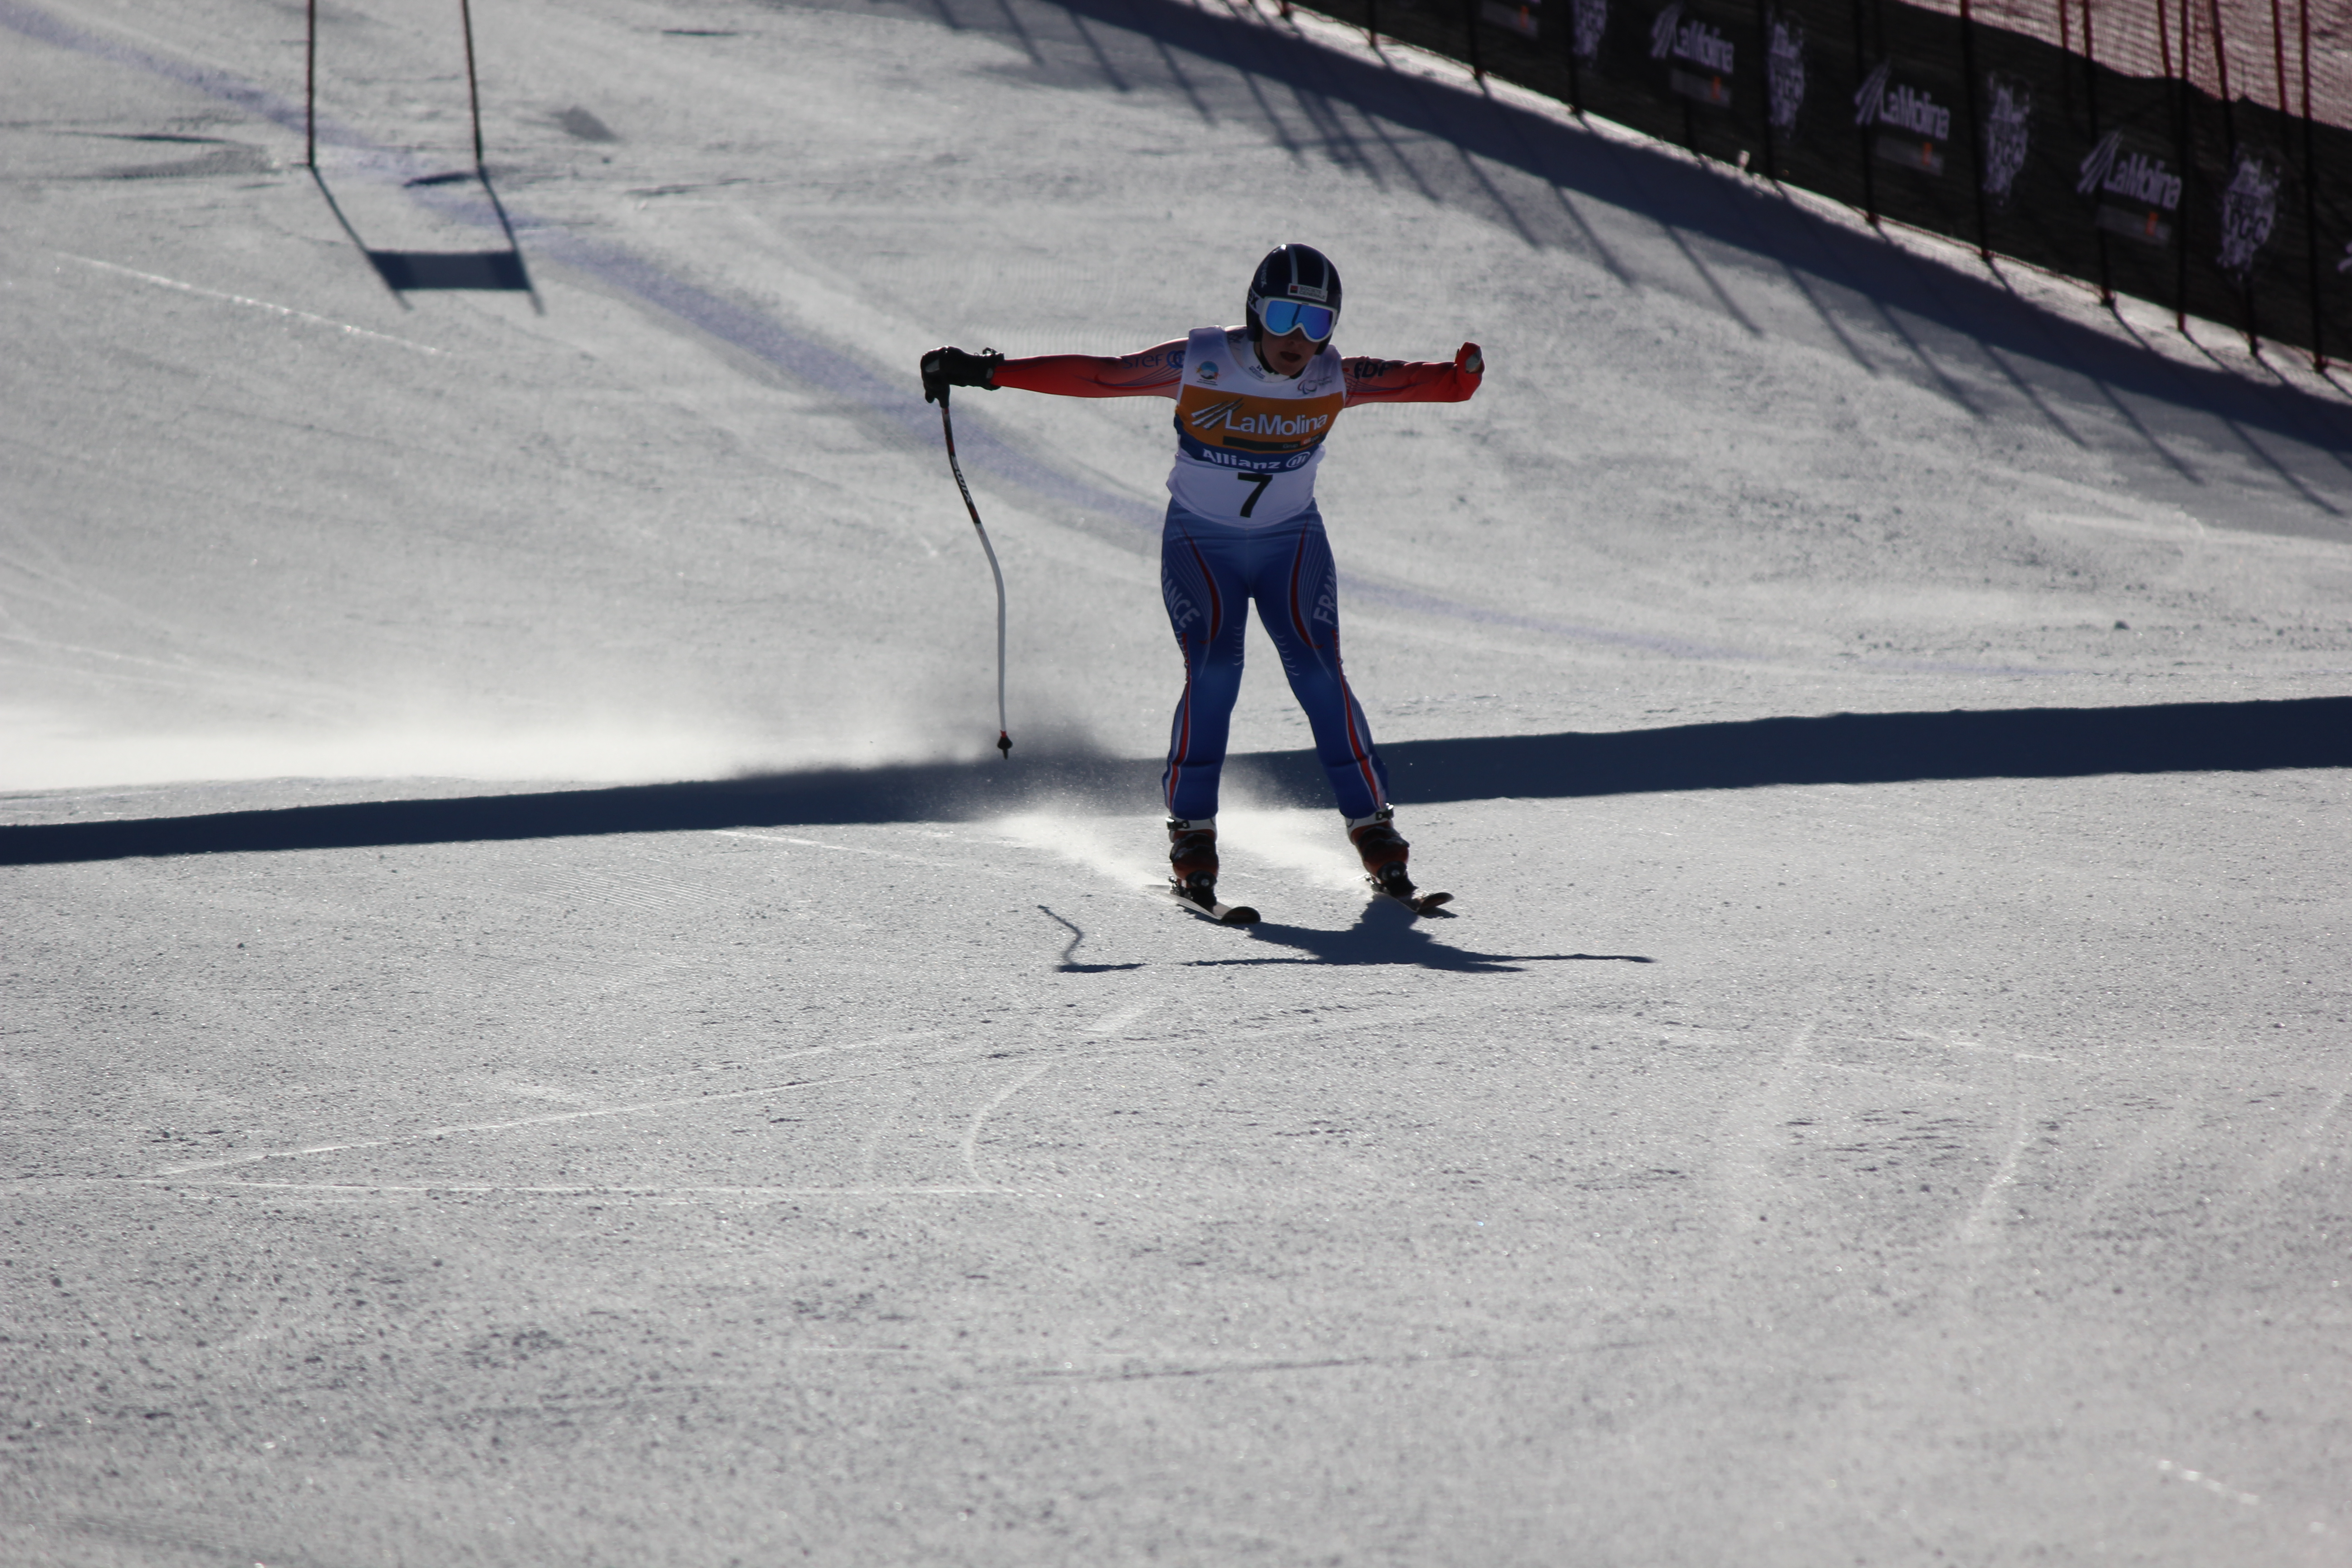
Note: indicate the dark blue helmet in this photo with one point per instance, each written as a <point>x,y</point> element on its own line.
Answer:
<point>1294,274</point>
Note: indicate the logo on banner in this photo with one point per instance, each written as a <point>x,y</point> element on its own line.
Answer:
<point>1784,71</point>
<point>2249,209</point>
<point>2133,176</point>
<point>1680,38</point>
<point>1693,40</point>
<point>2137,193</point>
<point>2008,133</point>
<point>1518,15</point>
<point>1920,125</point>
<point>1587,20</point>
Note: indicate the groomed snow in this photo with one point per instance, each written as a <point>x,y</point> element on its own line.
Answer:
<point>537,1028</point>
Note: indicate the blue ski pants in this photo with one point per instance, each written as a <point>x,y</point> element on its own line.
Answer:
<point>1208,573</point>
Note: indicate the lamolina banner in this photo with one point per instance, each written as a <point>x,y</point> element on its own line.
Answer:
<point>2149,185</point>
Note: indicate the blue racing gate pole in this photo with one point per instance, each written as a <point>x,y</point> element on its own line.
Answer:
<point>946,428</point>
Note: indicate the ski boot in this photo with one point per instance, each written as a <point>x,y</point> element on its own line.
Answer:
<point>1192,869</point>
<point>1384,852</point>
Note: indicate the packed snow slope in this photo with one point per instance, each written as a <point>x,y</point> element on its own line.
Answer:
<point>537,1029</point>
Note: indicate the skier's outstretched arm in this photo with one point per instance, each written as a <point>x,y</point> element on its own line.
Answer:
<point>1152,371</point>
<point>1416,381</point>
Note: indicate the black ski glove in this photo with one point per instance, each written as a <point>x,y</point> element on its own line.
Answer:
<point>943,368</point>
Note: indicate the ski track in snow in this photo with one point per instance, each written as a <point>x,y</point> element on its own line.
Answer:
<point>1098,1041</point>
<point>286,310</point>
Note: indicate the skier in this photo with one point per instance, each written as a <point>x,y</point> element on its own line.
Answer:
<point>1254,403</point>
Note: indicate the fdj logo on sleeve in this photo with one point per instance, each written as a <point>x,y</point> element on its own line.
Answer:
<point>1921,125</point>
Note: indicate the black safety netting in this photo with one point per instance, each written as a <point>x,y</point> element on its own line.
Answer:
<point>2187,152</point>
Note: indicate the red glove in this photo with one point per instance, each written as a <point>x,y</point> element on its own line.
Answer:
<point>1467,358</point>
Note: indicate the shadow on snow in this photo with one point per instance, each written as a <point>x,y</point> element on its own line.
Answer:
<point>1387,933</point>
<point>1844,748</point>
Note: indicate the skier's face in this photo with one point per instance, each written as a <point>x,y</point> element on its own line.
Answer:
<point>1288,354</point>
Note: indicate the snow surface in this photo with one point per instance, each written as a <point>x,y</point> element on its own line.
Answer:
<point>1914,1137</point>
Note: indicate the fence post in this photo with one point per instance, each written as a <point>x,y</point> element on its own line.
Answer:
<point>2180,218</point>
<point>2278,56</point>
<point>2184,143</point>
<point>1575,69</point>
<point>1372,24</point>
<point>1869,176</point>
<point>2091,102</point>
<point>2311,206</point>
<point>1976,125</point>
<point>2230,146</point>
<point>310,91</point>
<point>2066,47</point>
<point>1470,20</point>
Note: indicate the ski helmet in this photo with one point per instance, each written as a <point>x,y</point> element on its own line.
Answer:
<point>1297,273</point>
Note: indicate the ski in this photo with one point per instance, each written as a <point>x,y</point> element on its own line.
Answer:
<point>1224,914</point>
<point>1418,902</point>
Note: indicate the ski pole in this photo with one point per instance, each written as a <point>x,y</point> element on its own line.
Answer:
<point>946,428</point>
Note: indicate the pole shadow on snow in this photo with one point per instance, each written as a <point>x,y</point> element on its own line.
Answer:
<point>1069,963</point>
<point>1844,748</point>
<point>407,271</point>
<point>1462,147</point>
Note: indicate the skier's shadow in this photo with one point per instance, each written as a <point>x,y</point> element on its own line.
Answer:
<point>1386,932</point>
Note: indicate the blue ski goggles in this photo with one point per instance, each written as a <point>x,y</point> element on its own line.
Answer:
<point>1284,317</point>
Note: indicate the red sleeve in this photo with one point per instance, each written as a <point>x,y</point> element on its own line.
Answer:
<point>1154,372</point>
<point>1408,381</point>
